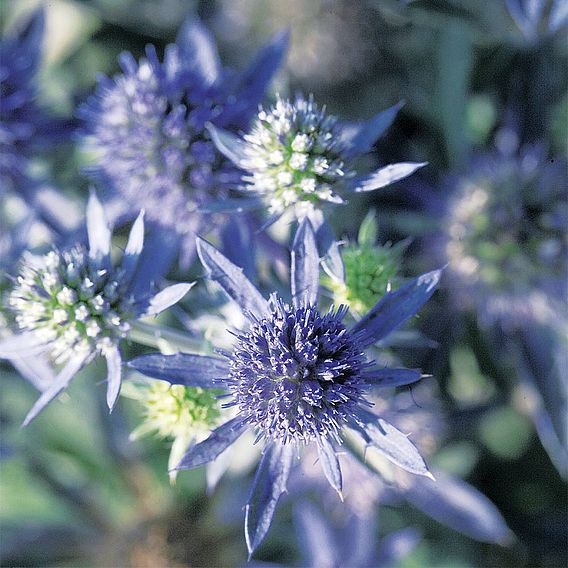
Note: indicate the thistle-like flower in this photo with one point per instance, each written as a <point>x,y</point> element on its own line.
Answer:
<point>299,158</point>
<point>74,304</point>
<point>146,126</point>
<point>296,376</point>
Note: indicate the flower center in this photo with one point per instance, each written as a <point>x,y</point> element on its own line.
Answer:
<point>297,375</point>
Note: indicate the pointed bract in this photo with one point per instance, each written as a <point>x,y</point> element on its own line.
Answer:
<point>21,345</point>
<point>61,382</point>
<point>182,369</point>
<point>330,465</point>
<point>197,45</point>
<point>230,145</point>
<point>268,485</point>
<point>460,506</point>
<point>134,247</point>
<point>304,272</point>
<point>391,377</point>
<point>361,137</point>
<point>231,278</point>
<point>114,375</point>
<point>396,307</point>
<point>387,175</point>
<point>391,442</point>
<point>208,450</point>
<point>166,298</point>
<point>328,246</point>
<point>98,231</point>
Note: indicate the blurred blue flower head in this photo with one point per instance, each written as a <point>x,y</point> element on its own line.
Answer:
<point>26,129</point>
<point>505,235</point>
<point>146,126</point>
<point>296,376</point>
<point>74,305</point>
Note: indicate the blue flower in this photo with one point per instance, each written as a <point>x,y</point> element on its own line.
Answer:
<point>505,236</point>
<point>26,129</point>
<point>146,126</point>
<point>74,304</point>
<point>296,376</point>
<point>298,157</point>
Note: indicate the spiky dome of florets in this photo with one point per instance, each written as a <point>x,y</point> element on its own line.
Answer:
<point>294,155</point>
<point>69,304</point>
<point>146,132</point>
<point>296,376</point>
<point>505,239</point>
<point>174,411</point>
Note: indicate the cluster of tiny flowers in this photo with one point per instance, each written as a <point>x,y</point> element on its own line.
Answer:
<point>294,154</point>
<point>296,376</point>
<point>175,410</point>
<point>505,233</point>
<point>146,133</point>
<point>369,272</point>
<point>69,304</point>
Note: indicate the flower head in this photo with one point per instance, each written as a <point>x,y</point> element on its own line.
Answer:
<point>296,376</point>
<point>505,235</point>
<point>294,155</point>
<point>174,411</point>
<point>74,304</point>
<point>146,126</point>
<point>299,156</point>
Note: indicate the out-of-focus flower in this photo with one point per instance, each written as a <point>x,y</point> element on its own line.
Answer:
<point>507,247</point>
<point>26,130</point>
<point>74,304</point>
<point>505,237</point>
<point>296,376</point>
<point>299,158</point>
<point>146,126</point>
<point>371,270</point>
<point>333,541</point>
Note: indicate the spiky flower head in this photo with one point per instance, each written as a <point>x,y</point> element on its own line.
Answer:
<point>300,157</point>
<point>75,304</point>
<point>146,126</point>
<point>295,154</point>
<point>72,305</point>
<point>505,234</point>
<point>296,375</point>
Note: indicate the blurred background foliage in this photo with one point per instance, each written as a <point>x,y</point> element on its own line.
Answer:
<point>76,492</point>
